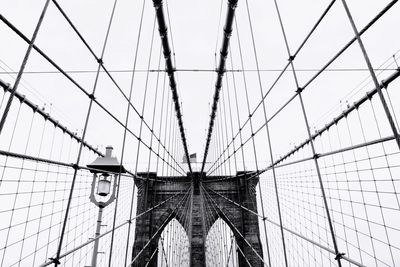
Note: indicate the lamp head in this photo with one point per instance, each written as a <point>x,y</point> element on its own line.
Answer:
<point>103,185</point>
<point>108,163</point>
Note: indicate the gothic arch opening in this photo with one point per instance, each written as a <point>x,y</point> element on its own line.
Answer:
<point>221,246</point>
<point>173,246</point>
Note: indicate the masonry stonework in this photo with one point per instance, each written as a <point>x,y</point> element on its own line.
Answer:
<point>200,198</point>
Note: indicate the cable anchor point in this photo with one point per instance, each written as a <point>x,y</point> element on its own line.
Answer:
<point>54,260</point>
<point>339,256</point>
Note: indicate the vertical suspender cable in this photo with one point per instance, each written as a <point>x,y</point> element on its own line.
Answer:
<point>267,127</point>
<point>220,72</point>
<point>23,65</point>
<point>128,109</point>
<point>339,255</point>
<point>76,168</point>
<point>372,73</point>
<point>162,27</point>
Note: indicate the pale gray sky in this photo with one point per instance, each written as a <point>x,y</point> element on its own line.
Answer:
<point>194,26</point>
<point>196,37</point>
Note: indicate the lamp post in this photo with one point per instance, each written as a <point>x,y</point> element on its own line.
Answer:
<point>105,173</point>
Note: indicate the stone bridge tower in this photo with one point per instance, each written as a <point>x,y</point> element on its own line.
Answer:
<point>242,223</point>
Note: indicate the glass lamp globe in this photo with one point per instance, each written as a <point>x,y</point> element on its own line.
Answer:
<point>103,186</point>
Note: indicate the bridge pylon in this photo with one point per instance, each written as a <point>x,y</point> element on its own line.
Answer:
<point>208,199</point>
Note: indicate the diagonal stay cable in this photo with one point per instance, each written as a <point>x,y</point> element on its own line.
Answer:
<point>244,256</point>
<point>71,165</point>
<point>181,213</point>
<point>356,104</point>
<point>372,74</point>
<point>152,256</point>
<point>344,114</point>
<point>368,96</point>
<point>85,71</point>
<point>141,122</point>
<point>322,69</point>
<point>280,74</point>
<point>220,211</point>
<point>278,225</point>
<point>233,202</point>
<point>117,227</point>
<point>46,116</point>
<point>230,251</point>
<point>165,222</point>
<point>232,4</point>
<point>108,72</point>
<point>79,155</point>
<point>23,65</point>
<point>162,27</point>
<point>91,96</point>
<point>57,124</point>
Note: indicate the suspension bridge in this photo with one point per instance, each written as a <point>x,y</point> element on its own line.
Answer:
<point>199,133</point>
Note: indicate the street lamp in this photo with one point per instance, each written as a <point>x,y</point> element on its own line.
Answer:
<point>103,186</point>
<point>105,171</point>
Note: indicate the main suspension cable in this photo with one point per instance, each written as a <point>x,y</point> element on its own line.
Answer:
<point>220,73</point>
<point>162,27</point>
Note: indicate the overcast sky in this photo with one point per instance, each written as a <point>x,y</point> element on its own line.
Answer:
<point>195,31</point>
